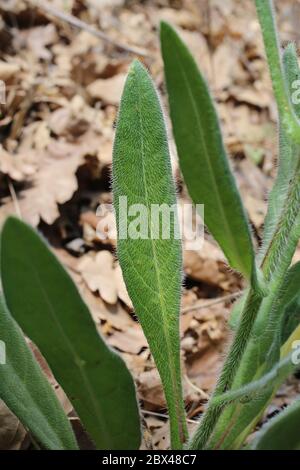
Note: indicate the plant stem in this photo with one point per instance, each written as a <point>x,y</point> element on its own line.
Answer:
<point>229,370</point>
<point>274,266</point>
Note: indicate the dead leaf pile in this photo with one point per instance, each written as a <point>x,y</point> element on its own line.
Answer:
<point>62,89</point>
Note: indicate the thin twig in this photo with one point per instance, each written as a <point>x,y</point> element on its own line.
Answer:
<point>161,415</point>
<point>77,23</point>
<point>14,197</point>
<point>210,303</point>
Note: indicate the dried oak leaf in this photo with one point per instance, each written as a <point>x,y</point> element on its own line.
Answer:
<point>97,271</point>
<point>12,433</point>
<point>8,70</point>
<point>130,341</point>
<point>100,274</point>
<point>108,90</point>
<point>39,38</point>
<point>53,183</point>
<point>209,265</point>
<point>19,166</point>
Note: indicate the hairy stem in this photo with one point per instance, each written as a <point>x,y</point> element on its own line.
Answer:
<point>274,266</point>
<point>210,417</point>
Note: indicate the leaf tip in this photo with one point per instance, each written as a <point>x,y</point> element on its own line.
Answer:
<point>166,30</point>
<point>136,67</point>
<point>11,223</point>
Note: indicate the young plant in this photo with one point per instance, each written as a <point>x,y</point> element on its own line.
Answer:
<point>258,342</point>
<point>266,320</point>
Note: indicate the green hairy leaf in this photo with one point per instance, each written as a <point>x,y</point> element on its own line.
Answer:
<point>151,265</point>
<point>49,309</point>
<point>289,304</point>
<point>282,432</point>
<point>202,155</point>
<point>26,391</point>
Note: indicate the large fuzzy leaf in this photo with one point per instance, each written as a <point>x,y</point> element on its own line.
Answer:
<point>26,391</point>
<point>151,264</point>
<point>46,303</point>
<point>282,432</point>
<point>202,155</point>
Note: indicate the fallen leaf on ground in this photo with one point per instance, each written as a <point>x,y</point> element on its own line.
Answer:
<point>101,275</point>
<point>12,433</point>
<point>108,90</point>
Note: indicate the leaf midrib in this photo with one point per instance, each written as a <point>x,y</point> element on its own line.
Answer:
<point>76,358</point>
<point>156,268</point>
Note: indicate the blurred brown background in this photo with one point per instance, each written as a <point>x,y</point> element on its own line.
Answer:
<point>63,82</point>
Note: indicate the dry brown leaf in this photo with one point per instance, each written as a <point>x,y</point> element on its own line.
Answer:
<point>59,120</point>
<point>182,18</point>
<point>161,436</point>
<point>204,368</point>
<point>150,388</point>
<point>76,118</point>
<point>130,341</point>
<point>101,275</point>
<point>225,63</point>
<point>256,95</point>
<point>97,271</point>
<point>12,433</point>
<point>8,69</point>
<point>54,183</point>
<point>39,38</point>
<point>257,210</point>
<point>208,265</point>
<point>114,316</point>
<point>17,166</point>
<point>109,90</point>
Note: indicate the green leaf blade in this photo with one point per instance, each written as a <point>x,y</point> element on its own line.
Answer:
<point>27,393</point>
<point>201,152</point>
<point>289,119</point>
<point>151,267</point>
<point>289,154</point>
<point>282,432</point>
<point>52,313</point>
<point>261,357</point>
